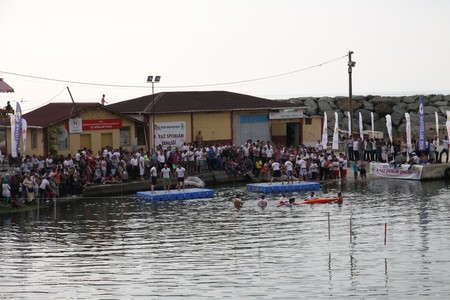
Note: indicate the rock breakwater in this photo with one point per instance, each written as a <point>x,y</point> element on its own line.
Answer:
<point>380,106</point>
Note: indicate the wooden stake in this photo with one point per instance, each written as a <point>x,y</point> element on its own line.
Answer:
<point>350,229</point>
<point>328,226</point>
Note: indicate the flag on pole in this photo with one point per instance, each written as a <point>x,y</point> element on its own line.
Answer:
<point>408,132</point>
<point>349,124</point>
<point>437,127</point>
<point>335,133</point>
<point>13,140</point>
<point>389,130</point>
<point>325,131</point>
<point>373,126</point>
<point>422,138</point>
<point>389,126</point>
<point>448,123</point>
<point>18,127</point>
<point>24,136</point>
<point>361,127</point>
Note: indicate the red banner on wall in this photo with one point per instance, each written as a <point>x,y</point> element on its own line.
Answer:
<point>102,124</point>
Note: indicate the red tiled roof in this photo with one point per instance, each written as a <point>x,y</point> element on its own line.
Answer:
<point>5,88</point>
<point>54,112</point>
<point>58,112</point>
<point>175,102</point>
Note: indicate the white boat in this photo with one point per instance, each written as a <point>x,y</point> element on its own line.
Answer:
<point>194,181</point>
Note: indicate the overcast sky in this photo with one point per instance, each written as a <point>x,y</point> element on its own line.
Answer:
<point>400,47</point>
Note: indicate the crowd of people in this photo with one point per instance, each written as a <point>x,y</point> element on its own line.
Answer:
<point>37,178</point>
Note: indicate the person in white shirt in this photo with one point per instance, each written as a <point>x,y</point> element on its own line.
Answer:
<point>311,196</point>
<point>153,176</point>
<point>276,171</point>
<point>134,167</point>
<point>165,175</point>
<point>445,145</point>
<point>141,162</point>
<point>343,164</point>
<point>283,200</point>
<point>289,167</point>
<point>319,146</point>
<point>303,170</point>
<point>181,173</point>
<point>313,168</point>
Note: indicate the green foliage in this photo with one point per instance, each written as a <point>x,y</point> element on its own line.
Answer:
<point>51,140</point>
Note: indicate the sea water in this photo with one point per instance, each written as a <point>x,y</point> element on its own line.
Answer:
<point>389,239</point>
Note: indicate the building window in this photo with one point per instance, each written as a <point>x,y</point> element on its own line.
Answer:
<point>308,121</point>
<point>125,136</point>
<point>34,138</point>
<point>140,134</point>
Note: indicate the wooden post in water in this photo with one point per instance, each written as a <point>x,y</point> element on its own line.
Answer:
<point>350,229</point>
<point>328,226</point>
<point>54,208</point>
<point>385,233</point>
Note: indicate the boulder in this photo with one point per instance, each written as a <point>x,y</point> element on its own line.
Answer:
<point>324,106</point>
<point>401,129</point>
<point>331,101</point>
<point>430,110</point>
<point>383,108</point>
<point>412,107</point>
<point>366,115</point>
<point>425,100</point>
<point>311,102</point>
<point>436,98</point>
<point>440,103</point>
<point>400,108</point>
<point>311,111</point>
<point>397,118</point>
<point>344,104</point>
<point>388,100</point>
<point>410,99</point>
<point>367,105</point>
<point>444,109</point>
<point>447,98</point>
<point>380,125</point>
<point>299,100</point>
<point>330,116</point>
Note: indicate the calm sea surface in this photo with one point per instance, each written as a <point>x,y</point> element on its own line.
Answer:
<point>121,248</point>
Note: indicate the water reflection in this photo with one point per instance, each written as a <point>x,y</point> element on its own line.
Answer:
<point>204,249</point>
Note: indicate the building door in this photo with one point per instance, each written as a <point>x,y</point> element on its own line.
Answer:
<point>253,127</point>
<point>293,134</point>
<point>107,140</point>
<point>85,141</point>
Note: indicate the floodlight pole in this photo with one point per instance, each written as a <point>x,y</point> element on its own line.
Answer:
<point>351,64</point>
<point>152,80</point>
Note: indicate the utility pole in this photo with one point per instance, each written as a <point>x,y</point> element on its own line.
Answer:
<point>351,64</point>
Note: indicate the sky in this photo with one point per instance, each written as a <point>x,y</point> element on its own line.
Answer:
<point>270,49</point>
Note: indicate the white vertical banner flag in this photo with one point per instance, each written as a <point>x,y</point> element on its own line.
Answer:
<point>408,132</point>
<point>361,127</point>
<point>448,123</point>
<point>349,124</point>
<point>24,136</point>
<point>373,126</point>
<point>389,126</point>
<point>13,140</point>
<point>325,131</point>
<point>335,133</point>
<point>437,127</point>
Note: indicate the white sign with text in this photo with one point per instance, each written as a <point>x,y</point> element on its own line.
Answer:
<point>170,134</point>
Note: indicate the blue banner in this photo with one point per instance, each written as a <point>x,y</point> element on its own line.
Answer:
<point>18,128</point>
<point>422,138</point>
